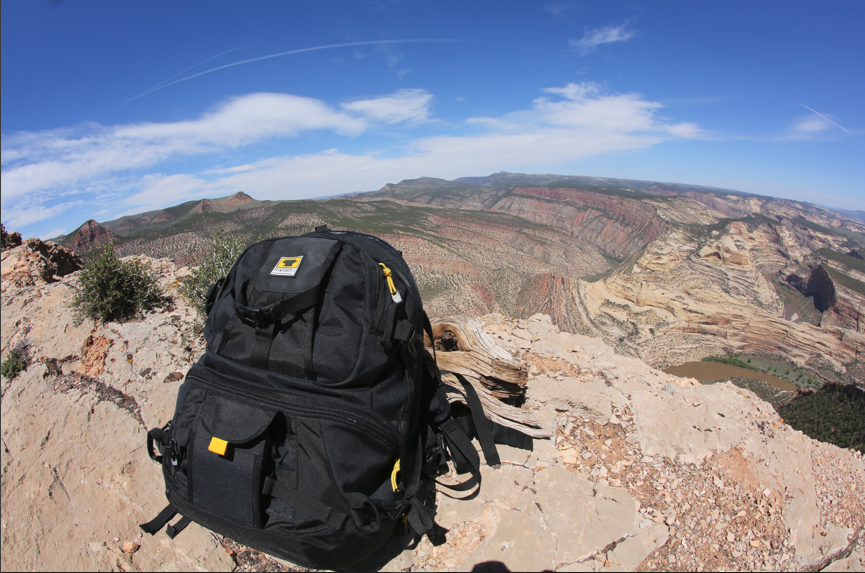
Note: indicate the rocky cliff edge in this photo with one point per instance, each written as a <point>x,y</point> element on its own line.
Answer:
<point>647,471</point>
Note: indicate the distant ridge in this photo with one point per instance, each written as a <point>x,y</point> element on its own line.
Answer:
<point>666,272</point>
<point>130,224</point>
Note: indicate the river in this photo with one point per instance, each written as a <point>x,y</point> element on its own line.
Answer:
<point>716,371</point>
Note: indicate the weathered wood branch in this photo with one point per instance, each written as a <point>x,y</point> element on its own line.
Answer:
<point>463,347</point>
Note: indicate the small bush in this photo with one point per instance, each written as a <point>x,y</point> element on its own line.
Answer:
<point>111,290</point>
<point>17,360</point>
<point>12,366</point>
<point>224,250</point>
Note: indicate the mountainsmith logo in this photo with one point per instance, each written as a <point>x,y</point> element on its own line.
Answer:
<point>287,266</point>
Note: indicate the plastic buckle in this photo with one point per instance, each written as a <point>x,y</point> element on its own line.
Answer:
<point>409,342</point>
<point>252,315</point>
<point>172,453</point>
<point>412,351</point>
<point>397,510</point>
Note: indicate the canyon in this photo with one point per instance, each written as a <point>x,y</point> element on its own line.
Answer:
<point>668,273</point>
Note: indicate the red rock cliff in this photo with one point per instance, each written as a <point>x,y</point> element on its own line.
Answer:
<point>619,226</point>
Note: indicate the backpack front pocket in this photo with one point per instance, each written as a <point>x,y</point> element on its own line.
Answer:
<point>228,451</point>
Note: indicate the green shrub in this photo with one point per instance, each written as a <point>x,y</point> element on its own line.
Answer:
<point>12,366</point>
<point>834,414</point>
<point>112,290</point>
<point>223,251</point>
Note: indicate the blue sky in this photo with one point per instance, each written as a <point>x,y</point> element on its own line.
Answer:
<point>111,108</point>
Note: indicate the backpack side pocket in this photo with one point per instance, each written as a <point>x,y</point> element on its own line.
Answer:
<point>228,451</point>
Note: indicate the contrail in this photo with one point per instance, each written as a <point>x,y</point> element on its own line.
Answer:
<point>150,89</point>
<point>327,47</point>
<point>833,123</point>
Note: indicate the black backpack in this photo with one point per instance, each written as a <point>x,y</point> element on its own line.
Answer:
<point>315,416</point>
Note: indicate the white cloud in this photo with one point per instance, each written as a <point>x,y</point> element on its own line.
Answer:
<point>583,106</point>
<point>158,190</point>
<point>52,233</point>
<point>404,105</point>
<point>604,35</point>
<point>583,123</point>
<point>62,159</point>
<point>103,165</point>
<point>689,130</point>
<point>810,125</point>
<point>32,212</point>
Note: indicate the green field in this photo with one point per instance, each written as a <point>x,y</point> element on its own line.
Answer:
<point>788,371</point>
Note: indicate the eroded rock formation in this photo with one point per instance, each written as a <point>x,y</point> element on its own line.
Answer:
<point>666,272</point>
<point>9,240</point>
<point>36,263</point>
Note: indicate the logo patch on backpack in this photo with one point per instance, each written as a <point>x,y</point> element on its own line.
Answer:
<point>287,266</point>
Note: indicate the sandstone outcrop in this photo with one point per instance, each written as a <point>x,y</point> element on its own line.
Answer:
<point>36,263</point>
<point>9,240</point>
<point>688,295</point>
<point>646,470</point>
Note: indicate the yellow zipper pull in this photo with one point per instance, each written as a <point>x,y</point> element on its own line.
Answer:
<point>395,471</point>
<point>393,292</point>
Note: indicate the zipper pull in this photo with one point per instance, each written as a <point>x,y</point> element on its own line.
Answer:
<point>397,298</point>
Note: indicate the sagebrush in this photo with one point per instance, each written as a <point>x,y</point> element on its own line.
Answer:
<point>112,290</point>
<point>17,359</point>
<point>12,366</point>
<point>223,251</point>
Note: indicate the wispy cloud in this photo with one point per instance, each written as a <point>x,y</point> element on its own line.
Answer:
<point>604,35</point>
<point>43,161</point>
<point>116,167</point>
<point>40,162</point>
<point>183,71</point>
<point>404,105</point>
<point>52,233</point>
<point>809,125</point>
<point>562,9</point>
<point>25,214</point>
<point>289,53</point>
<point>842,128</point>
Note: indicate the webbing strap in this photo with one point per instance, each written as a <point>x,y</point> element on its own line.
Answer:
<point>260,351</point>
<point>427,326</point>
<point>266,322</point>
<point>159,436</point>
<point>159,521</point>
<point>261,317</point>
<point>483,426</point>
<point>501,434</point>
<point>420,517</point>
<point>318,510</point>
<point>172,530</point>
<point>464,456</point>
<point>309,318</point>
<point>413,483</point>
<point>212,292</point>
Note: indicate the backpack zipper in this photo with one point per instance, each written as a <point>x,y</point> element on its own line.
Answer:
<point>381,300</point>
<point>327,412</point>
